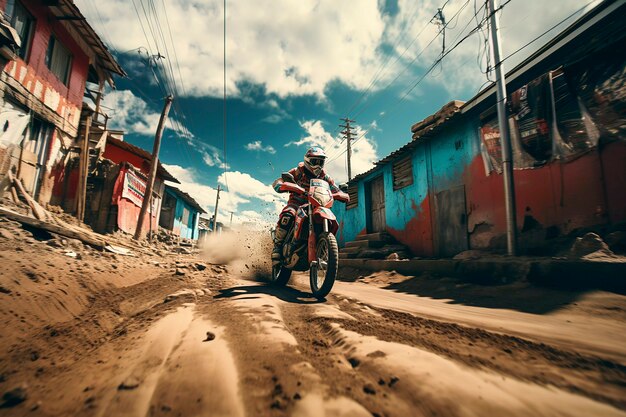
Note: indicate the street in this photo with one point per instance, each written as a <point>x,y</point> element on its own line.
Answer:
<point>103,335</point>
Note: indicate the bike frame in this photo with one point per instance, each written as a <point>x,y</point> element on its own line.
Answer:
<point>315,212</point>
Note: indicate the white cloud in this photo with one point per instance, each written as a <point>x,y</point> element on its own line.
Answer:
<point>520,22</point>
<point>299,47</point>
<point>364,152</point>
<point>211,156</point>
<point>204,194</point>
<point>133,115</point>
<point>242,190</point>
<point>290,47</point>
<point>246,186</point>
<point>257,145</point>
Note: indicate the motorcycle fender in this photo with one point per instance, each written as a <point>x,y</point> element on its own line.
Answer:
<point>323,213</point>
<point>312,247</point>
<point>320,214</point>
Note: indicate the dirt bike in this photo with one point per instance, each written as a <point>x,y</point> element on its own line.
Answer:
<point>310,244</point>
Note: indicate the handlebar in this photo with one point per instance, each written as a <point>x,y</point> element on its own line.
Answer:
<point>295,188</point>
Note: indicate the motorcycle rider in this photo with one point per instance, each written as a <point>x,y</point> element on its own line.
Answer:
<point>311,167</point>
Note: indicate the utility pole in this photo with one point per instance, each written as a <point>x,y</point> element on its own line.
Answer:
<point>217,202</point>
<point>147,195</point>
<point>231,219</point>
<point>505,139</point>
<point>81,195</point>
<point>347,135</point>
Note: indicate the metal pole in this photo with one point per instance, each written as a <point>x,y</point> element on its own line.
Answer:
<point>147,196</point>
<point>81,195</point>
<point>217,202</point>
<point>505,140</point>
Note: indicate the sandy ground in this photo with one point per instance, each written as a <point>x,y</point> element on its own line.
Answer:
<point>202,335</point>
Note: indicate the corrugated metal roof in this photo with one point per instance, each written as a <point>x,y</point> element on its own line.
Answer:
<point>423,130</point>
<point>73,17</point>
<point>186,197</point>
<point>161,171</point>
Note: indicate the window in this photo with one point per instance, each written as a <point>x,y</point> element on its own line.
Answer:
<point>59,60</point>
<point>185,219</point>
<point>402,173</point>
<point>353,192</point>
<point>23,23</point>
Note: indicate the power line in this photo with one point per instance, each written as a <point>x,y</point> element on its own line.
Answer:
<point>548,31</point>
<point>406,67</point>
<point>224,112</point>
<point>380,71</point>
<point>430,69</point>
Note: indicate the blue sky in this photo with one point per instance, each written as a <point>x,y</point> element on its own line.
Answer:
<point>293,69</point>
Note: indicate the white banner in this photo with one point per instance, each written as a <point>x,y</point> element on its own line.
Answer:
<point>134,188</point>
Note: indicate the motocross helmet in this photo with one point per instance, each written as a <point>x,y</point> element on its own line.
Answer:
<point>314,160</point>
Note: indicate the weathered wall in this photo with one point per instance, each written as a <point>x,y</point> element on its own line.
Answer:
<point>46,94</point>
<point>552,200</point>
<point>190,230</point>
<point>30,83</point>
<point>119,155</point>
<point>128,211</point>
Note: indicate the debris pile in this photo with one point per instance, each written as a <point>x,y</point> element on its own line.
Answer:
<point>590,247</point>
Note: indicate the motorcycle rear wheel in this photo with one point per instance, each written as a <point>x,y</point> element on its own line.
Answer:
<point>327,265</point>
<point>280,275</point>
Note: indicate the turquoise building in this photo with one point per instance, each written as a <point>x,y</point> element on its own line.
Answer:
<point>180,213</point>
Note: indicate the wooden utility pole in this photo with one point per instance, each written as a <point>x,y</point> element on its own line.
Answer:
<point>505,140</point>
<point>147,195</point>
<point>231,219</point>
<point>347,135</point>
<point>217,202</point>
<point>83,170</point>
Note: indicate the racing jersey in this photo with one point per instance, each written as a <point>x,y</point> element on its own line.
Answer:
<point>303,177</point>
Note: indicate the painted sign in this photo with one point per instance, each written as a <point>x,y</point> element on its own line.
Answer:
<point>134,188</point>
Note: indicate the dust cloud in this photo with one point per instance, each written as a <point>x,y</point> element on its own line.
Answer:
<point>246,252</point>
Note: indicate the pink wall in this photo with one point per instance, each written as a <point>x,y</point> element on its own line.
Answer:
<point>45,25</point>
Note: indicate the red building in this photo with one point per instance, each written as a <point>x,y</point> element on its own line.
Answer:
<point>41,93</point>
<point>117,189</point>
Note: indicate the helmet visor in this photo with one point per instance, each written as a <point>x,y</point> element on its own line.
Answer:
<point>317,161</point>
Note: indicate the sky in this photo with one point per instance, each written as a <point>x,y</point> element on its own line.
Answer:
<point>293,69</point>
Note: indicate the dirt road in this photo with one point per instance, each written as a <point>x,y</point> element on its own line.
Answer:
<point>114,336</point>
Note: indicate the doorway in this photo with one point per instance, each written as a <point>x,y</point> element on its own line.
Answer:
<point>451,221</point>
<point>376,221</point>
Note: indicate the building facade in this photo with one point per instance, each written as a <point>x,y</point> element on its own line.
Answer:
<point>117,186</point>
<point>42,89</point>
<point>180,213</point>
<point>442,193</point>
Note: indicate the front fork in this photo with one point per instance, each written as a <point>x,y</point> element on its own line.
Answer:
<point>313,238</point>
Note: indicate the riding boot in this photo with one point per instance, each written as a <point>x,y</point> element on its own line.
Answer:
<point>279,238</point>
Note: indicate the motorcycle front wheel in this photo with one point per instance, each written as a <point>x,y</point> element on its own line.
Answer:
<point>280,275</point>
<point>324,273</point>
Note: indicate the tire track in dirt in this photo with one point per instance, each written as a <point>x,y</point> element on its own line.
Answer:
<point>580,381</point>
<point>276,378</point>
<point>177,371</point>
